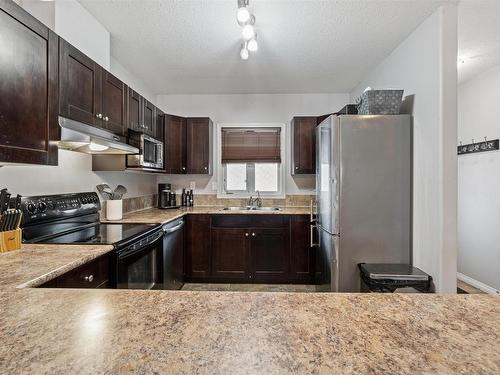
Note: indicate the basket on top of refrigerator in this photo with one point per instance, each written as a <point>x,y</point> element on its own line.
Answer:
<point>380,102</point>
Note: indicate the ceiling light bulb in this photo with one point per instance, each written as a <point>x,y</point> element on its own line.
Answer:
<point>97,147</point>
<point>253,46</point>
<point>248,32</point>
<point>244,52</point>
<point>243,15</point>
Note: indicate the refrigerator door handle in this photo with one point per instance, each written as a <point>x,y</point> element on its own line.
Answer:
<point>313,210</point>
<point>313,227</point>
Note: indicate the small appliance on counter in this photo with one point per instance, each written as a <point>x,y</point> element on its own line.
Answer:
<point>166,197</point>
<point>10,221</point>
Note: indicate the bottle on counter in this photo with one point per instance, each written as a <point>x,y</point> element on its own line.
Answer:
<point>173,199</point>
<point>183,198</point>
<point>191,198</point>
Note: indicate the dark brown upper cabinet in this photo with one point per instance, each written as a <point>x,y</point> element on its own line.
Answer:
<point>28,88</point>
<point>199,132</point>
<point>89,93</point>
<point>303,140</point>
<point>114,103</point>
<point>159,127</point>
<point>188,144</point>
<point>175,144</point>
<point>80,86</point>
<point>149,118</point>
<point>135,110</point>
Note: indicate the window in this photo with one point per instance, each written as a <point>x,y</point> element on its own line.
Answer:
<point>250,159</point>
<point>248,178</point>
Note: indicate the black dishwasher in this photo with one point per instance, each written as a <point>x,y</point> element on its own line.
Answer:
<point>173,254</point>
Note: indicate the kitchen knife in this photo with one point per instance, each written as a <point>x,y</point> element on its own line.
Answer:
<point>4,198</point>
<point>17,204</point>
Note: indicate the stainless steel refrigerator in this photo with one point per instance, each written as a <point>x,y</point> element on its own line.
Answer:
<point>363,196</point>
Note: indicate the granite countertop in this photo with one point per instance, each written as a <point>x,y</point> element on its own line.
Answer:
<point>134,331</point>
<point>159,216</point>
<point>120,331</point>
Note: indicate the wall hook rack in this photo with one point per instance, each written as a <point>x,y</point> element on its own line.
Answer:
<point>474,147</point>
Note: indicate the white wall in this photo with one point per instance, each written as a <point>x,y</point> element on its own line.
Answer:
<point>252,108</point>
<point>74,172</point>
<point>131,80</point>
<point>76,25</point>
<point>479,181</point>
<point>424,65</point>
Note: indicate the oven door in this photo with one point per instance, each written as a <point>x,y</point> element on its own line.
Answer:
<point>141,267</point>
<point>152,153</point>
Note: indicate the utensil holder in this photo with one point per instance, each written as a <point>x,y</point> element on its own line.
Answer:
<point>10,240</point>
<point>114,209</point>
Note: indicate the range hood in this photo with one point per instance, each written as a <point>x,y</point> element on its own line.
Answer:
<point>76,136</point>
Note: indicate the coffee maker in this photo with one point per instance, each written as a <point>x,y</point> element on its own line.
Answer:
<point>166,197</point>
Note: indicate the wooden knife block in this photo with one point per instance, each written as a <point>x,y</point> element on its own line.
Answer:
<point>10,240</point>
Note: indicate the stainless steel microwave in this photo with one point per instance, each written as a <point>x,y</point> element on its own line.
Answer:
<point>150,152</point>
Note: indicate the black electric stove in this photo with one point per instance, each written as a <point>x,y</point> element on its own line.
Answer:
<point>74,219</point>
<point>137,262</point>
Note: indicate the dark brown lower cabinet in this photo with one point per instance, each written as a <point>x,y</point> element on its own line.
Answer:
<point>95,274</point>
<point>198,245</point>
<point>302,262</point>
<point>230,257</point>
<point>249,248</point>
<point>270,255</point>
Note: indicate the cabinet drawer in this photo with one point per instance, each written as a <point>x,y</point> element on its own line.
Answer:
<point>249,221</point>
<point>91,275</point>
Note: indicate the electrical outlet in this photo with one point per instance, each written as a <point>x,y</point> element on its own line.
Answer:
<point>192,185</point>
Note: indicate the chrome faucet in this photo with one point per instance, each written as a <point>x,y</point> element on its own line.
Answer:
<point>258,201</point>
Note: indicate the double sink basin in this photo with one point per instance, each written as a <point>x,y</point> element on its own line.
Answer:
<point>251,208</point>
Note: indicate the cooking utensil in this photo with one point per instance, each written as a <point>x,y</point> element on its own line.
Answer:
<point>105,191</point>
<point>17,202</point>
<point>119,192</point>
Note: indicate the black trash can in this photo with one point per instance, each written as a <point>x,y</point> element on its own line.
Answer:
<point>393,278</point>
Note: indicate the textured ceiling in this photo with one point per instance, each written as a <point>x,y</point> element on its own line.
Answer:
<point>478,37</point>
<point>192,46</point>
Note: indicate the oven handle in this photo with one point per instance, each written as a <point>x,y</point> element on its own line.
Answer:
<point>174,229</point>
<point>128,253</point>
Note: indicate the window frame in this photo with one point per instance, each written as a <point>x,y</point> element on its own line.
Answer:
<point>221,170</point>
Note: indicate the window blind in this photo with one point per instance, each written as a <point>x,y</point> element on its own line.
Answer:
<point>242,145</point>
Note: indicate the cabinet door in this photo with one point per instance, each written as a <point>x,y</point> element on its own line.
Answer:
<point>114,100</point>
<point>303,145</point>
<point>28,88</point>
<point>80,86</point>
<point>198,247</point>
<point>230,254</point>
<point>301,253</point>
<point>149,118</point>
<point>199,145</point>
<point>135,108</point>
<point>175,145</point>
<point>159,131</point>
<point>270,255</point>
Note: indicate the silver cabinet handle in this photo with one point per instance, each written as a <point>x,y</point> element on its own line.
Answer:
<point>106,118</point>
<point>246,234</point>
<point>183,168</point>
<point>89,278</point>
<point>253,234</point>
<point>296,167</point>
<point>99,115</point>
<point>313,227</point>
<point>206,168</point>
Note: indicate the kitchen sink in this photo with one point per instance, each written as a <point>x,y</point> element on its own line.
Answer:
<point>250,208</point>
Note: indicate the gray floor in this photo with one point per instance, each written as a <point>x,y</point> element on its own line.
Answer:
<point>249,287</point>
